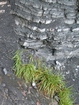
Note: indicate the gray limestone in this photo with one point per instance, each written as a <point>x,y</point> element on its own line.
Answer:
<point>69,21</point>
<point>71,15</point>
<point>49,1</point>
<point>50,28</point>
<point>67,2</point>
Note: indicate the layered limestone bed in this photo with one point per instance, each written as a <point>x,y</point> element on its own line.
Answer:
<point>49,29</point>
<point>49,26</point>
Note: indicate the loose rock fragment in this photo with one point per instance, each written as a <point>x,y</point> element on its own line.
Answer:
<point>5,71</point>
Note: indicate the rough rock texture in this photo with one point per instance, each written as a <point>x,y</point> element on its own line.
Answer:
<point>52,25</point>
<point>13,91</point>
<point>50,29</point>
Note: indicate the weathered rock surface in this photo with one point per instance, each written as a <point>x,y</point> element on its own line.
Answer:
<point>52,23</point>
<point>13,91</point>
<point>50,29</point>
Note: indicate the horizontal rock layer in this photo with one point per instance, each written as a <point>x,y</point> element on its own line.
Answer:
<point>49,29</point>
<point>54,23</point>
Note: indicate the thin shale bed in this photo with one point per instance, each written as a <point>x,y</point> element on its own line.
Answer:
<point>50,84</point>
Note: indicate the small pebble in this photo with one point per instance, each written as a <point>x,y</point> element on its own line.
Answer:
<point>5,71</point>
<point>34,84</point>
<point>58,63</point>
<point>73,79</point>
<point>77,66</point>
<point>67,72</point>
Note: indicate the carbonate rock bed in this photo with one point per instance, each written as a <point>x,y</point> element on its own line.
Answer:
<point>49,29</point>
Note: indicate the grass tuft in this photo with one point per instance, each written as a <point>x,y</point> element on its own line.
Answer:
<point>64,96</point>
<point>50,84</point>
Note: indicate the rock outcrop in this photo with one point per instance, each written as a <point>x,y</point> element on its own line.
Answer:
<point>50,29</point>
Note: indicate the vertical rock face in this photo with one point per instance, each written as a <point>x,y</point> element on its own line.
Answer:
<point>51,29</point>
<point>53,23</point>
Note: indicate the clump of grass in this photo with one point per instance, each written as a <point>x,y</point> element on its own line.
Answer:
<point>50,84</point>
<point>25,71</point>
<point>17,64</point>
<point>64,96</point>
